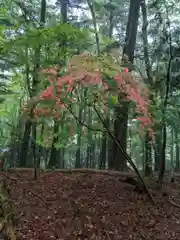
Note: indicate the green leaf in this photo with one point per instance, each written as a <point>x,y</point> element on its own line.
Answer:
<point>112,101</point>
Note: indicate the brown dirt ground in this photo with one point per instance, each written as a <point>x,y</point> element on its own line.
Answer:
<point>92,206</point>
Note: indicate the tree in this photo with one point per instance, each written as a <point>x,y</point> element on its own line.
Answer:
<point>121,113</point>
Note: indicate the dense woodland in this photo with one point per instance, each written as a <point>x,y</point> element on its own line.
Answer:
<point>89,94</point>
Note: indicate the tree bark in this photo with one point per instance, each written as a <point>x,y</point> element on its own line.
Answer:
<point>148,157</point>
<point>55,153</point>
<point>79,136</point>
<point>25,144</point>
<point>157,150</point>
<point>105,136</point>
<point>177,150</point>
<point>121,112</point>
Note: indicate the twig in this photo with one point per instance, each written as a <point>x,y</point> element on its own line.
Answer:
<point>19,216</point>
<point>173,203</point>
<point>36,195</point>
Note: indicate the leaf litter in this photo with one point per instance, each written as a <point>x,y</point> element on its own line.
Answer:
<point>91,206</point>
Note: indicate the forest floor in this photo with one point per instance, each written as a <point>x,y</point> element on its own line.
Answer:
<point>92,206</point>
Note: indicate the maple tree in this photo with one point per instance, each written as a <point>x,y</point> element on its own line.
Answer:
<point>104,77</point>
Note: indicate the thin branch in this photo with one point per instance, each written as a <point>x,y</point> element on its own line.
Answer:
<point>82,123</point>
<point>173,203</point>
<point>26,11</point>
<point>36,195</point>
<point>128,158</point>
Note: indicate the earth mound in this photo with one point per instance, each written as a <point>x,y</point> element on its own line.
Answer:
<point>89,206</point>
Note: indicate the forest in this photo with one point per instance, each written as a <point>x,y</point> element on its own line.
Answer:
<point>89,119</point>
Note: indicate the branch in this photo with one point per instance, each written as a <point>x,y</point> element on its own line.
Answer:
<point>173,203</point>
<point>36,195</point>
<point>128,158</point>
<point>26,11</point>
<point>82,123</point>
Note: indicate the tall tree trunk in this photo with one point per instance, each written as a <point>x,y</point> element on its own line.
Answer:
<point>148,147</point>
<point>120,131</point>
<point>61,152</point>
<point>110,147</point>
<point>172,150</point>
<point>145,43</point>
<point>53,157</point>
<point>177,150</point>
<point>16,141</point>
<point>93,153</point>
<point>34,89</point>
<point>164,108</point>
<point>104,146</point>
<point>103,151</point>
<point>148,157</point>
<point>28,126</point>
<point>157,150</point>
<point>60,160</point>
<point>163,154</point>
<point>39,153</point>
<point>121,111</point>
<point>23,151</point>
<point>93,14</point>
<point>25,144</point>
<point>90,141</point>
<point>55,153</point>
<point>79,136</point>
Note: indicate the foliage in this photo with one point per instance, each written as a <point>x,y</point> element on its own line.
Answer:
<point>102,78</point>
<point>89,71</point>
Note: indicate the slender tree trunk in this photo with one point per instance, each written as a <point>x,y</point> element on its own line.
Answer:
<point>25,144</point>
<point>110,148</point>
<point>93,14</point>
<point>28,125</point>
<point>55,153</point>
<point>177,150</point>
<point>148,147</point>
<point>148,157</point>
<point>16,143</point>
<point>79,136</point>
<point>61,151</point>
<point>105,136</point>
<point>103,151</point>
<point>157,150</point>
<point>164,108</point>
<point>36,169</point>
<point>145,43</point>
<point>53,156</point>
<point>120,131</point>
<point>34,90</point>
<point>23,151</point>
<point>93,154</point>
<point>172,150</point>
<point>163,155</point>
<point>90,141</point>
